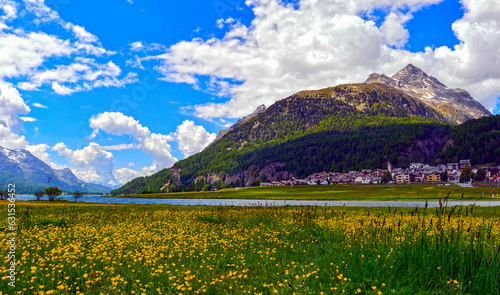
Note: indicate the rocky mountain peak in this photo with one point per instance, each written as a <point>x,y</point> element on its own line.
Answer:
<point>456,105</point>
<point>410,72</point>
<point>414,76</point>
<point>381,78</point>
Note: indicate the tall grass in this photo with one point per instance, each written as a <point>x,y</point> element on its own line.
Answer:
<point>139,249</point>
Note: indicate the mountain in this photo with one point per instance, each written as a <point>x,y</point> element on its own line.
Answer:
<point>245,119</point>
<point>342,128</point>
<point>32,174</point>
<point>456,105</point>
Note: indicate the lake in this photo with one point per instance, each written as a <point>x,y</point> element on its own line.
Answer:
<point>268,203</point>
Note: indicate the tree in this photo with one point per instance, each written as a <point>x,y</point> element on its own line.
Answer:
<point>466,174</point>
<point>206,187</point>
<point>77,195</point>
<point>4,195</point>
<point>386,177</point>
<point>39,195</point>
<point>53,192</point>
<point>480,175</point>
<point>444,176</point>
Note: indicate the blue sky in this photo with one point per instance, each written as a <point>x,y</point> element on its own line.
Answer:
<point>117,89</point>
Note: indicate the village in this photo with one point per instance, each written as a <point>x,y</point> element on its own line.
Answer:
<point>416,173</point>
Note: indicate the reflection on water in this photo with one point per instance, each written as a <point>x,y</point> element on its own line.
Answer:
<point>269,203</point>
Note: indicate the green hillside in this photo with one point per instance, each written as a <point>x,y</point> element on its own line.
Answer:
<point>477,140</point>
<point>348,127</point>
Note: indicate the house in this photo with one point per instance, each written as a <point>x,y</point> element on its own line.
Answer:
<point>452,166</point>
<point>441,167</point>
<point>301,181</point>
<point>312,182</point>
<point>377,173</point>
<point>414,166</point>
<point>265,184</point>
<point>432,177</point>
<point>372,179</point>
<point>493,177</point>
<point>491,171</point>
<point>454,177</point>
<point>335,180</point>
<point>464,163</point>
<point>359,179</point>
<point>404,177</point>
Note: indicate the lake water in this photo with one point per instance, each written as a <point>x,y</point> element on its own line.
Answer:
<point>269,203</point>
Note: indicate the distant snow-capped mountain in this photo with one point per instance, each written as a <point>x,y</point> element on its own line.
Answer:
<point>21,165</point>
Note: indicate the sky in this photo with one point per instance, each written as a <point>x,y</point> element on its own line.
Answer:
<point>124,88</point>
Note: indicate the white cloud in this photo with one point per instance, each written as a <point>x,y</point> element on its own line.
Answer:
<point>39,105</point>
<point>40,151</point>
<point>394,31</point>
<point>125,175</point>
<point>21,52</point>
<point>92,74</point>
<point>61,89</point>
<point>27,86</point>
<point>136,46</point>
<point>118,124</point>
<point>28,119</point>
<point>94,164</point>
<point>11,106</point>
<point>325,43</point>
<point>131,164</point>
<point>221,22</point>
<point>140,46</point>
<point>155,144</point>
<point>120,147</point>
<point>192,138</point>
<point>9,10</point>
<point>81,33</point>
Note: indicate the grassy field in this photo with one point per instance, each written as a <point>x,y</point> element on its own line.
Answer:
<point>77,248</point>
<point>339,192</point>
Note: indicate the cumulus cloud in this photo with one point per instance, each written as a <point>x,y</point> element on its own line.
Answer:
<point>40,151</point>
<point>94,164</point>
<point>61,89</point>
<point>394,31</point>
<point>11,106</point>
<point>324,43</point>
<point>124,175</point>
<point>155,144</point>
<point>192,138</point>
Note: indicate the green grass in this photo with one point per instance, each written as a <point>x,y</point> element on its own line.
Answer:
<point>74,248</point>
<point>338,192</point>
